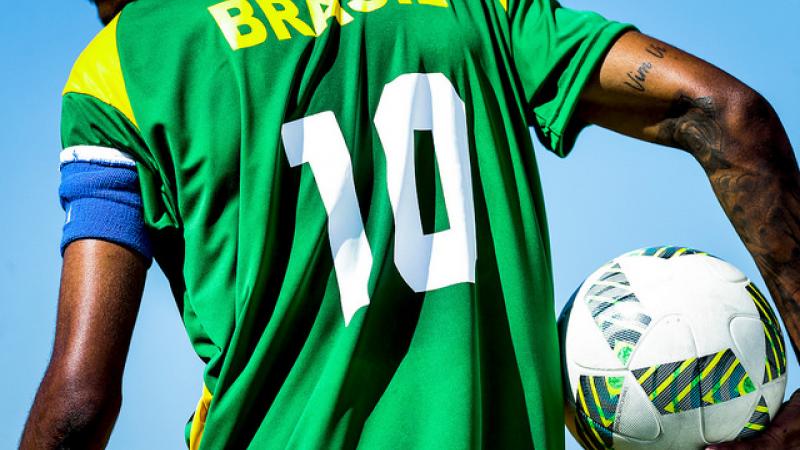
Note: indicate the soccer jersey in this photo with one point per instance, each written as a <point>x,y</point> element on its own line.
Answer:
<point>346,201</point>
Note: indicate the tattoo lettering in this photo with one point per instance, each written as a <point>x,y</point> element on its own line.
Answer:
<point>636,79</point>
<point>656,50</point>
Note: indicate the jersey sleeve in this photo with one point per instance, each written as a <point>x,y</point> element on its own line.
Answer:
<point>555,51</point>
<point>97,118</point>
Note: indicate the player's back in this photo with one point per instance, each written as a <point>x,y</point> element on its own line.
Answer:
<point>361,228</point>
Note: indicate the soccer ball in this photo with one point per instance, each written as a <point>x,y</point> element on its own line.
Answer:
<point>670,347</point>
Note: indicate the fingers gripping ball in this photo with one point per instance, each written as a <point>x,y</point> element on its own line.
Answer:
<point>670,347</point>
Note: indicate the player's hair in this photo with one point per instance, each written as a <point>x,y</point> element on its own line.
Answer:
<point>108,9</point>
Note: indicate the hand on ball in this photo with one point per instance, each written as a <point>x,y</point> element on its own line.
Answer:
<point>782,434</point>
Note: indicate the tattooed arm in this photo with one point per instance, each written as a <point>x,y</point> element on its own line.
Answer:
<point>652,91</point>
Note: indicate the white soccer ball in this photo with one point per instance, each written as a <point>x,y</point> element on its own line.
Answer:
<point>670,348</point>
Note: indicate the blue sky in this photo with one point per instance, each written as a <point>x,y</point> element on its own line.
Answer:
<point>611,195</point>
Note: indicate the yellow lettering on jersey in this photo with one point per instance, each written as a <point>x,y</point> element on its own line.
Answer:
<point>320,16</point>
<point>278,18</point>
<point>241,30</point>
<point>366,5</point>
<point>439,3</point>
<point>98,73</point>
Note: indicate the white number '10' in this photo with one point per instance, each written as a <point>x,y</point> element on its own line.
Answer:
<point>425,261</point>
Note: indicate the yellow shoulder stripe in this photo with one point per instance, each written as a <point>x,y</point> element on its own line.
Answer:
<point>504,4</point>
<point>98,72</point>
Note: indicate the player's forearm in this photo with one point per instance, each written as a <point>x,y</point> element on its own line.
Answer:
<point>80,396</point>
<point>742,146</point>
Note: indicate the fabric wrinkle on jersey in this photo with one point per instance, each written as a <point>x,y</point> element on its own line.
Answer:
<point>355,201</point>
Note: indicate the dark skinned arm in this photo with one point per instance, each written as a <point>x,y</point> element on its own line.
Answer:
<point>652,91</point>
<point>80,395</point>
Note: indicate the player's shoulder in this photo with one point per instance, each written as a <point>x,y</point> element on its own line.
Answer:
<point>98,73</point>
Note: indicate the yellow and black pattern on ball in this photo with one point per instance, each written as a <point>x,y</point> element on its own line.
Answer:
<point>592,436</point>
<point>617,312</point>
<point>667,251</point>
<point>758,421</point>
<point>775,346</point>
<point>596,404</point>
<point>695,382</point>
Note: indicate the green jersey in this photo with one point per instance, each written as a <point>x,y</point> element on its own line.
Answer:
<point>345,199</point>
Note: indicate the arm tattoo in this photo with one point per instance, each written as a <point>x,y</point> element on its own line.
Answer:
<point>656,50</point>
<point>755,177</point>
<point>694,127</point>
<point>636,79</point>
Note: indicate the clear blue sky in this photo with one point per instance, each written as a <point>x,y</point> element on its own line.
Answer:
<point>611,195</point>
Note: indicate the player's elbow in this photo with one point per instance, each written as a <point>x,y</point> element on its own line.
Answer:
<point>74,412</point>
<point>87,404</point>
<point>89,408</point>
<point>753,137</point>
<point>728,126</point>
<point>748,116</point>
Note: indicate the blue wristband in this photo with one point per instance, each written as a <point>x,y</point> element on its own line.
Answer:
<point>103,201</point>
